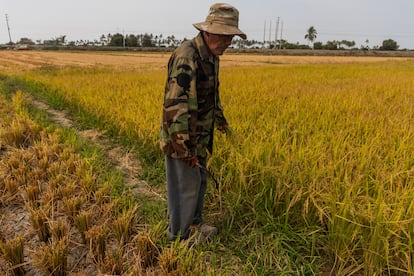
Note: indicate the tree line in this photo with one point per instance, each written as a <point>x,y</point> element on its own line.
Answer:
<point>151,40</point>
<point>311,35</point>
<point>115,40</point>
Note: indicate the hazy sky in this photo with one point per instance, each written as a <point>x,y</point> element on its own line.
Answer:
<point>358,20</point>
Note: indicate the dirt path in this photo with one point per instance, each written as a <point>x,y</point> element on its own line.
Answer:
<point>121,158</point>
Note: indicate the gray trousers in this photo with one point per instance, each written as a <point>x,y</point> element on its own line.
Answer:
<point>186,188</point>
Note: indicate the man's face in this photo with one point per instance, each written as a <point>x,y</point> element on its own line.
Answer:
<point>217,43</point>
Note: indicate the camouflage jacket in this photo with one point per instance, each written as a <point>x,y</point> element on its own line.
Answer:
<point>191,101</point>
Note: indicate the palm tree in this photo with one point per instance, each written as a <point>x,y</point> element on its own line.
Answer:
<point>311,34</point>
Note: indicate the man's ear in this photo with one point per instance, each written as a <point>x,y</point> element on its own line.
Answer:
<point>206,35</point>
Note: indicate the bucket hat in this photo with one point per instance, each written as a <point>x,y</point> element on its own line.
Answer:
<point>222,19</point>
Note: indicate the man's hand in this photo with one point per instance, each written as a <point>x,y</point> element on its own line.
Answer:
<point>192,161</point>
<point>224,128</point>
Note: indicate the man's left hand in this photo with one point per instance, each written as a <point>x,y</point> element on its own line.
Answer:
<point>223,128</point>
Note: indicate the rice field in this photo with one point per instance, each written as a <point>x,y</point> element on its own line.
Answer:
<point>317,174</point>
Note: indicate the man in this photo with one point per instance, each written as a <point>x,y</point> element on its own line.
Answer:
<point>191,110</point>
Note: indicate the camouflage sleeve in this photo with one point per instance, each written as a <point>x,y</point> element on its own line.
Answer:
<point>180,105</point>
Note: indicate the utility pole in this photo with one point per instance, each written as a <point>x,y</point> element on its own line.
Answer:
<point>270,32</point>
<point>281,32</point>
<point>8,28</point>
<point>264,33</point>
<point>123,38</point>
<point>277,30</point>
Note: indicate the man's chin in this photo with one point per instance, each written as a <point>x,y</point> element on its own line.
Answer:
<point>219,52</point>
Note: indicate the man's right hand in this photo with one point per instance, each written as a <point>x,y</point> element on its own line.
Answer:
<point>192,161</point>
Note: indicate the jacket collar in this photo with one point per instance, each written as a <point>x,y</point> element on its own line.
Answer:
<point>202,48</point>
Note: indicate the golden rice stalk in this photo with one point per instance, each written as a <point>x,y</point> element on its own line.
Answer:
<point>66,153</point>
<point>13,162</point>
<point>59,229</point>
<point>20,176</point>
<point>11,185</point>
<point>3,147</point>
<point>36,174</point>
<point>53,259</point>
<point>169,260</point>
<point>14,136</point>
<point>83,222</point>
<point>114,262</point>
<point>81,168</point>
<point>21,133</point>
<point>103,195</point>
<point>43,163</point>
<point>125,225</point>
<point>2,238</point>
<point>107,210</point>
<point>49,197</point>
<point>72,206</point>
<point>56,180</point>
<point>67,191</point>
<point>39,219</point>
<point>13,252</point>
<point>97,236</point>
<point>88,184</point>
<point>136,268</point>
<point>146,249</point>
<point>32,195</point>
<point>19,102</point>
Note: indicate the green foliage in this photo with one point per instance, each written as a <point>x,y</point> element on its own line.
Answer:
<point>389,45</point>
<point>311,34</point>
<point>147,40</point>
<point>117,40</point>
<point>131,41</point>
<point>294,46</point>
<point>331,45</point>
<point>25,40</point>
<point>347,43</point>
<point>318,45</point>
